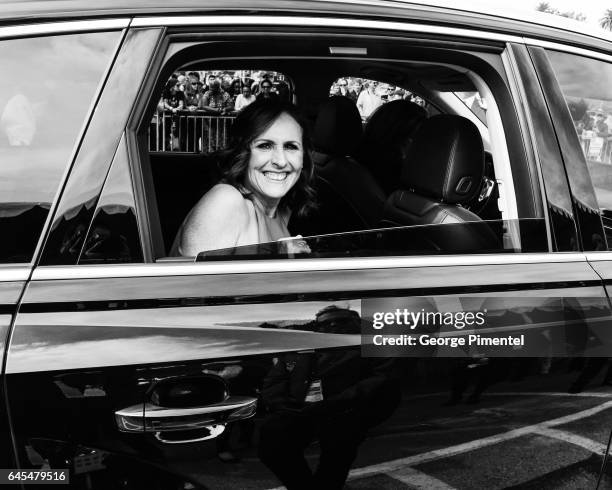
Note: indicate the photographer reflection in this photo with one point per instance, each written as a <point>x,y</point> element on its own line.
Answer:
<point>332,397</point>
<point>241,378</point>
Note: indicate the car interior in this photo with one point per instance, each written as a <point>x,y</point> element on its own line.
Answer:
<point>444,183</point>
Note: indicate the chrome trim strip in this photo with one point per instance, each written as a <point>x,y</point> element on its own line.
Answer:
<point>242,20</point>
<point>598,256</point>
<point>568,49</point>
<point>52,272</point>
<point>152,411</point>
<point>62,27</point>
<point>11,273</point>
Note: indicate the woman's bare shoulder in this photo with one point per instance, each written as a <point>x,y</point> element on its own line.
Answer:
<point>216,221</point>
<point>222,197</point>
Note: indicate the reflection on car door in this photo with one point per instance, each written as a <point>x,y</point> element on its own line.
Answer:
<point>12,282</point>
<point>152,361</point>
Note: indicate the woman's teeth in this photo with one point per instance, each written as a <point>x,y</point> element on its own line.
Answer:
<point>276,175</point>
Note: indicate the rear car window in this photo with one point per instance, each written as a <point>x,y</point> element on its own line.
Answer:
<point>46,89</point>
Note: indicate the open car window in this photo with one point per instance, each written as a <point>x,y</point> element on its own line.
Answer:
<point>363,167</point>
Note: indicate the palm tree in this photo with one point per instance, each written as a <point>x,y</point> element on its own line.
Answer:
<point>543,7</point>
<point>606,20</point>
<point>574,15</point>
<point>570,14</point>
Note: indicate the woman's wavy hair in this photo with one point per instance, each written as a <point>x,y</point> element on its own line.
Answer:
<point>252,121</point>
<point>170,84</point>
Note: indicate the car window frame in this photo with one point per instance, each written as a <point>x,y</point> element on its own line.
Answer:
<point>180,30</point>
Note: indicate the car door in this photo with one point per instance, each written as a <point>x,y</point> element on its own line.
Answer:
<point>105,364</point>
<point>244,373</point>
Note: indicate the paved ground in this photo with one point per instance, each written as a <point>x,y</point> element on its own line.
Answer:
<point>511,439</point>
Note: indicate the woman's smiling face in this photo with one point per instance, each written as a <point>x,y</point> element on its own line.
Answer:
<point>276,161</point>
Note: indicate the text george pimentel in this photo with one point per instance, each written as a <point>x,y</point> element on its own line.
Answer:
<point>429,340</point>
<point>458,320</point>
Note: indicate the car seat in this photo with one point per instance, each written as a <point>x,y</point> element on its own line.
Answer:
<point>348,197</point>
<point>443,171</point>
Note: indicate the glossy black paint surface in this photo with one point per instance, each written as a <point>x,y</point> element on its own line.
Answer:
<point>113,236</point>
<point>586,210</point>
<point>78,203</point>
<point>24,222</point>
<point>10,293</point>
<point>7,454</point>
<point>93,339</point>
<point>91,363</point>
<point>560,209</point>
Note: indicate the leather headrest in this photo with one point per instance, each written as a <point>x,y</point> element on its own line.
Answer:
<point>446,160</point>
<point>386,138</point>
<point>337,129</point>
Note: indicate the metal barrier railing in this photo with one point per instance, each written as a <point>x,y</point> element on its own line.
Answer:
<point>188,131</point>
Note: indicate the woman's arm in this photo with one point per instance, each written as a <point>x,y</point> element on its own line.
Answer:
<point>215,222</point>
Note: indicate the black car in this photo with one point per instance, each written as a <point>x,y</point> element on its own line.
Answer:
<point>441,319</point>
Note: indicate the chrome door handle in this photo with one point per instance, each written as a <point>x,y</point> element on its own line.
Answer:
<point>148,417</point>
<point>213,431</point>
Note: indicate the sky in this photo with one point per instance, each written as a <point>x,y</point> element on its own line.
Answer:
<point>593,9</point>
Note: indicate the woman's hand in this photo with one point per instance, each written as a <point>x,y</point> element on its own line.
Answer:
<point>294,245</point>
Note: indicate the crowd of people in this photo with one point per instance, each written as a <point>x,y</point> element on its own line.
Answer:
<point>369,95</point>
<point>593,127</point>
<point>220,94</point>
<point>597,123</point>
<point>226,94</point>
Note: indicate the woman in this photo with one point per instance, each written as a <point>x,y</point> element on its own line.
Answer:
<point>173,100</point>
<point>192,92</point>
<point>235,89</point>
<point>173,97</point>
<point>267,174</point>
<point>265,91</point>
